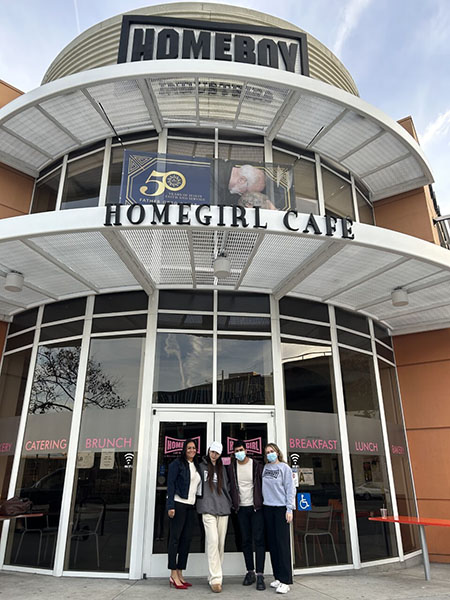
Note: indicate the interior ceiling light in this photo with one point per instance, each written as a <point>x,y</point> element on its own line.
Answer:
<point>399,297</point>
<point>14,282</point>
<point>222,266</point>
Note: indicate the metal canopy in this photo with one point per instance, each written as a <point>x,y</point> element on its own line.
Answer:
<point>71,253</point>
<point>64,115</point>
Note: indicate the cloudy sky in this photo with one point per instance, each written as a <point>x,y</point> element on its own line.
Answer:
<point>398,53</point>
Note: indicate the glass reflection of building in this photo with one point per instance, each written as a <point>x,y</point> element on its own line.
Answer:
<point>84,379</point>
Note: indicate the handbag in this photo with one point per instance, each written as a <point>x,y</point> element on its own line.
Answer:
<point>15,506</point>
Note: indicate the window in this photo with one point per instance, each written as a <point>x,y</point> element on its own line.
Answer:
<point>82,185</point>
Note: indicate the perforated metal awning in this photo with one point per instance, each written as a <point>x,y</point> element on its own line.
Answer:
<point>64,115</point>
<point>71,253</point>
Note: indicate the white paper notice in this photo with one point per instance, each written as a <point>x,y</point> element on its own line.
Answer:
<point>305,476</point>
<point>107,460</point>
<point>85,460</point>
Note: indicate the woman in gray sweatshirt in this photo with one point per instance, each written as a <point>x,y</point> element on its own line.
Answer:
<point>215,508</point>
<point>278,502</point>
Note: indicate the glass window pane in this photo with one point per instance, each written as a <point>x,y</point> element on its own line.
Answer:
<point>382,334</point>
<point>244,370</point>
<point>308,330</point>
<point>19,340</point>
<point>55,332</point>
<point>190,148</point>
<point>238,323</point>
<point>183,321</point>
<point>365,210</point>
<point>369,472</point>
<point>303,309</point>
<point>314,453</point>
<point>243,302</point>
<point>45,193</point>
<point>351,320</point>
<point>123,323</point>
<point>183,368</point>
<point>13,380</point>
<point>43,462</point>
<point>304,181</point>
<point>185,300</point>
<point>357,341</point>
<point>64,310</point>
<point>385,352</point>
<point>82,184</point>
<point>338,195</point>
<point>23,320</point>
<point>404,488</point>
<point>102,502</point>
<point>115,167</point>
<point>240,152</point>
<point>120,302</point>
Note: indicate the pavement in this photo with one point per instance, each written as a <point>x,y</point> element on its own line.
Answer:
<point>395,584</point>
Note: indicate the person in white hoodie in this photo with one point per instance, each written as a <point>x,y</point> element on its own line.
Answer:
<point>278,503</point>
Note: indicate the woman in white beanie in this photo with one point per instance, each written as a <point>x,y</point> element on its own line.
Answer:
<point>215,508</point>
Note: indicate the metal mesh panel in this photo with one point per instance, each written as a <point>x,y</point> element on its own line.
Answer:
<point>400,172</point>
<point>350,264</point>
<point>351,131</point>
<point>89,255</point>
<point>17,149</point>
<point>38,271</point>
<point>32,125</point>
<point>421,318</point>
<point>268,269</point>
<point>309,115</point>
<point>376,154</point>
<point>205,246</point>
<point>383,284</point>
<point>260,105</point>
<point>77,114</point>
<point>433,295</point>
<point>123,103</point>
<point>176,98</point>
<point>238,246</point>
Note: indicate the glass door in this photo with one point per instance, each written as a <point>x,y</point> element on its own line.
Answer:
<point>170,429</point>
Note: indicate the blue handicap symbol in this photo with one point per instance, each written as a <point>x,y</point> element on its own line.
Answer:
<point>303,501</point>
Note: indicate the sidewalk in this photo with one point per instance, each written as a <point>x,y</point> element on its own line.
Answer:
<point>402,584</point>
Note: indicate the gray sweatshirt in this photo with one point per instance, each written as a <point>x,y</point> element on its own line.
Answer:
<point>278,486</point>
<point>211,502</point>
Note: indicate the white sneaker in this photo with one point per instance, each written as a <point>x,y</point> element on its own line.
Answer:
<point>283,588</point>
<point>275,583</point>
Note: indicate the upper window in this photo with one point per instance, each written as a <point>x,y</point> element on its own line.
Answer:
<point>82,184</point>
<point>338,195</point>
<point>46,193</point>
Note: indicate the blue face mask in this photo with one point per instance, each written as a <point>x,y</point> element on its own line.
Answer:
<point>272,456</point>
<point>240,455</point>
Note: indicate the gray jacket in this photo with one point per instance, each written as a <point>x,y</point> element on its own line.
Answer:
<point>211,502</point>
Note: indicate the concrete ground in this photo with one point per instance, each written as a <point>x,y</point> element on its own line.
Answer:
<point>401,584</point>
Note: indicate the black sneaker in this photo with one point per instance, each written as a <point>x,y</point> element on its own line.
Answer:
<point>249,578</point>
<point>260,585</point>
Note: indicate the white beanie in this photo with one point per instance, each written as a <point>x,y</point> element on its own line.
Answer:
<point>216,447</point>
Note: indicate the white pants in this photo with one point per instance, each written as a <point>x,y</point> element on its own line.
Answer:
<point>215,533</point>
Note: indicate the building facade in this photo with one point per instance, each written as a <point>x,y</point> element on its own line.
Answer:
<point>206,233</point>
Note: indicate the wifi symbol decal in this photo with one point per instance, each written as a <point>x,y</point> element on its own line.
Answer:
<point>128,460</point>
<point>294,458</point>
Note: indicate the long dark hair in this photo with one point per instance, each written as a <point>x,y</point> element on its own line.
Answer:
<point>218,469</point>
<point>183,456</point>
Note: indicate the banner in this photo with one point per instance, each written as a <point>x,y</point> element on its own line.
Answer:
<point>156,178</point>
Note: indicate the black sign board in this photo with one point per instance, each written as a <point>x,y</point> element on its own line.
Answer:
<point>158,38</point>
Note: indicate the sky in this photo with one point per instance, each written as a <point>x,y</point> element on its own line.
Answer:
<point>397,51</point>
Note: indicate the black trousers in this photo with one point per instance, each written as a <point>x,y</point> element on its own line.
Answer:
<point>279,540</point>
<point>180,535</point>
<point>251,524</point>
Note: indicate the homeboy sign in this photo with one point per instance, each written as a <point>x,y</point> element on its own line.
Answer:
<point>185,214</point>
<point>159,38</point>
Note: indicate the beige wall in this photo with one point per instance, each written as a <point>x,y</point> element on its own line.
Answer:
<point>423,362</point>
<point>8,93</point>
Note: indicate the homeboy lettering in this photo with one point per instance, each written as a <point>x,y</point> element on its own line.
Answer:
<point>206,215</point>
<point>160,38</point>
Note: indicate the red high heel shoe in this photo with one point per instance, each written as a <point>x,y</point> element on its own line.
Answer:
<point>186,583</point>
<point>177,586</point>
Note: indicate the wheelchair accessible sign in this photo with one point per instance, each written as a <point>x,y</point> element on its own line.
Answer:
<point>303,501</point>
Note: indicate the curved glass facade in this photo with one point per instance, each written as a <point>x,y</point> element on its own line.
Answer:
<point>82,376</point>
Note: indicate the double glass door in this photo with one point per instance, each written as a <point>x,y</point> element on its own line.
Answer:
<point>170,429</point>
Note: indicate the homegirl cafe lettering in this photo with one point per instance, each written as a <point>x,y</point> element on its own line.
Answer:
<point>223,216</point>
<point>253,446</point>
<point>175,445</point>
<point>159,38</point>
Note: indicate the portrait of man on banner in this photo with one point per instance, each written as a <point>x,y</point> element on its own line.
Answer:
<point>148,177</point>
<point>266,186</point>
